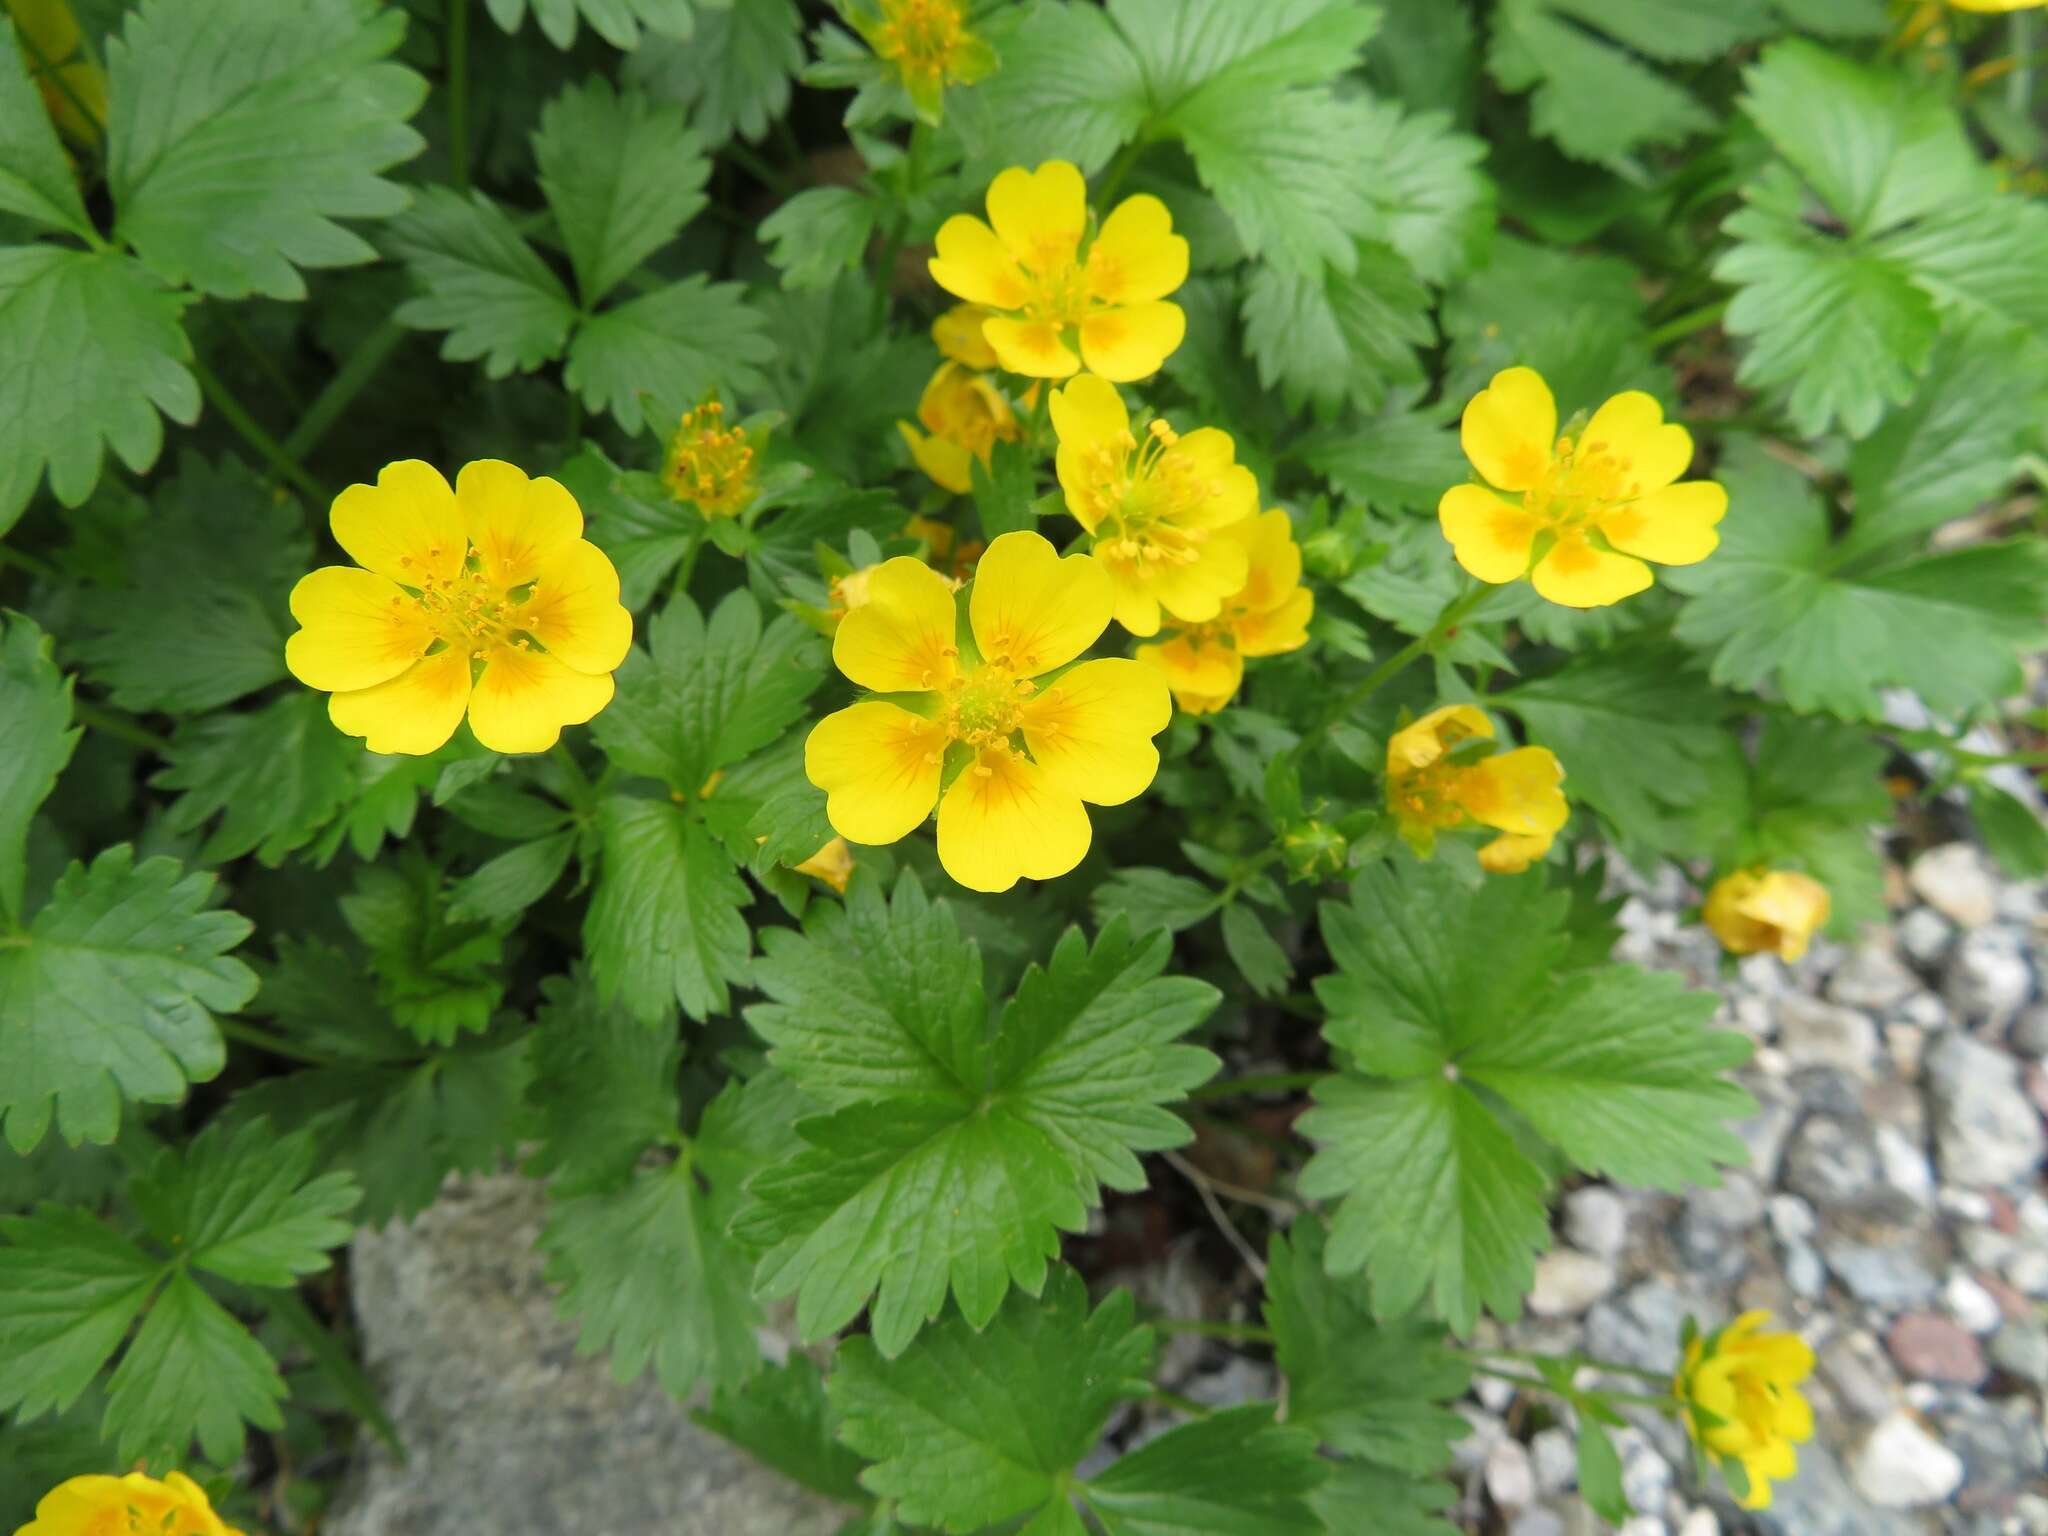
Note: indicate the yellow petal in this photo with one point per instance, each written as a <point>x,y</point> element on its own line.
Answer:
<point>1130,343</point>
<point>1088,413</point>
<point>1273,560</point>
<point>1003,821</point>
<point>879,767</point>
<point>1511,853</point>
<point>1092,729</point>
<point>1204,676</point>
<point>945,461</point>
<point>524,698</point>
<point>1577,575</point>
<point>972,264</point>
<point>1515,792</point>
<point>575,611</point>
<point>1417,745</point>
<point>1674,526</point>
<point>406,526</point>
<point>901,640</point>
<point>413,714</point>
<point>1631,427</point>
<point>1032,611</point>
<point>1034,348</point>
<point>1280,629</point>
<point>1792,906</point>
<point>1194,592</point>
<point>360,630</point>
<point>518,526</point>
<point>1132,601</point>
<point>1491,538</point>
<point>832,864</point>
<point>958,335</point>
<point>1208,455</point>
<point>1510,429</point>
<point>1039,215</point>
<point>1136,256</point>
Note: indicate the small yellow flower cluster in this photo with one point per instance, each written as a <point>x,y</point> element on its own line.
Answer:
<point>1440,776</point>
<point>962,409</point>
<point>928,45</point>
<point>1204,663</point>
<point>1738,1389</point>
<point>134,1505</point>
<point>1766,912</point>
<point>713,467</point>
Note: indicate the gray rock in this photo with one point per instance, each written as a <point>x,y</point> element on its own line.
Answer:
<point>2020,1349</point>
<point>1832,1160</point>
<point>1988,977</point>
<point>1923,1011</point>
<point>1806,1273</point>
<point>1538,1521</point>
<point>1925,936</point>
<point>508,1430</point>
<point>1859,1373</point>
<point>1555,1455</point>
<point>1596,1221</point>
<point>1970,1304</point>
<point>1818,1501</point>
<point>1872,977</point>
<point>1792,1219</point>
<point>1816,1034</point>
<point>2028,1032</point>
<point>1510,1479</point>
<point>1701,1522</point>
<point>1905,1166</point>
<point>1713,1224</point>
<point>1646,1477</point>
<point>1985,1129</point>
<point>1880,1274</point>
<point>1641,1326</point>
<point>1999,1446</point>
<point>1568,1282</point>
<point>1901,1466</point>
<point>1487,1430</point>
<point>1766,1131</point>
<point>1956,880</point>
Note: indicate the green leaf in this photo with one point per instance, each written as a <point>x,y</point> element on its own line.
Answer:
<point>1234,1473</point>
<point>279,774</point>
<point>1153,898</point>
<point>70,1289</point>
<point>1365,1388</point>
<point>192,1372</point>
<point>734,72</point>
<point>482,284</point>
<point>1591,98</point>
<point>634,519</point>
<point>782,1418</point>
<point>1776,605</point>
<point>110,995</point>
<point>439,977</point>
<point>36,180</point>
<point>668,923</point>
<point>818,234</point>
<point>651,1277</point>
<point>652,358</point>
<point>976,1426</point>
<point>623,175</point>
<point>1816,793</point>
<point>504,887</point>
<point>107,356</point>
<point>35,701</point>
<point>704,695</point>
<point>953,1156</point>
<point>1600,1473</point>
<point>2011,829</point>
<point>199,616</point>
<point>1334,336</point>
<point>1254,951</point>
<point>618,22</point>
<point>1836,18</point>
<point>1431,202</point>
<point>1399,459</point>
<point>245,1204</point>
<point>230,178</point>
<point>1069,88</point>
<point>1400,1505</point>
<point>605,1087</point>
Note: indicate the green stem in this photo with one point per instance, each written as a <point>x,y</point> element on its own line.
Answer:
<point>1941,743</point>
<point>2019,88</point>
<point>266,365</point>
<point>1663,1400</point>
<point>1203,1328</point>
<point>687,567</point>
<point>1575,1361</point>
<point>1446,621</point>
<point>1186,1405</point>
<point>21,559</point>
<point>264,1040</point>
<point>1260,1082</point>
<point>1120,167</point>
<point>457,43</point>
<point>251,431</point>
<point>335,1359</point>
<point>1687,323</point>
<point>581,791</point>
<point>760,169</point>
<point>112,722</point>
<point>341,391</point>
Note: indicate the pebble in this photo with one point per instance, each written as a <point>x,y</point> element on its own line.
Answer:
<point>1925,935</point>
<point>1596,1221</point>
<point>1485,1431</point>
<point>1985,1130</point>
<point>1860,1373</point>
<point>1988,977</point>
<point>1766,1132</point>
<point>1555,1456</point>
<point>1713,1224</point>
<point>1902,1466</point>
<point>1813,1033</point>
<point>1568,1282</point>
<point>1924,1011</point>
<point>1956,880</point>
<point>2028,1032</point>
<point>1935,1348</point>
<point>1872,977</point>
<point>1510,1479</point>
<point>1646,1477</point>
<point>1970,1304</point>
<point>2020,1349</point>
<point>1832,1160</point>
<point>1906,1168</point>
<point>1701,1522</point>
<point>1641,1326</point>
<point>1884,1276</point>
<point>1538,1522</point>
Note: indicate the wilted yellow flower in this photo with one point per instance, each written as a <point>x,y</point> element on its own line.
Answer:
<point>1589,511</point>
<point>1204,663</point>
<point>928,43</point>
<point>134,1505</point>
<point>1045,298</point>
<point>711,465</point>
<point>484,599</point>
<point>981,718</point>
<point>957,333</point>
<point>1431,787</point>
<point>1156,511</point>
<point>966,416</point>
<point>1766,911</point>
<point>73,88</point>
<point>832,864</point>
<point>1739,1390</point>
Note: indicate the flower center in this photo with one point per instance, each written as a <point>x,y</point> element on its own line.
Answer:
<point>920,35</point>
<point>1138,503</point>
<point>1585,481</point>
<point>710,463</point>
<point>986,706</point>
<point>468,611</point>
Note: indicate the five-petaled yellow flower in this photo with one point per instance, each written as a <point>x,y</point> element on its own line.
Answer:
<point>484,599</point>
<point>986,718</point>
<point>1046,299</point>
<point>1156,510</point>
<point>714,467</point>
<point>1766,911</point>
<point>928,44</point>
<point>1739,1391</point>
<point>1587,510</point>
<point>1996,5</point>
<point>1432,787</point>
<point>966,416</point>
<point>833,864</point>
<point>134,1505</point>
<point>1204,663</point>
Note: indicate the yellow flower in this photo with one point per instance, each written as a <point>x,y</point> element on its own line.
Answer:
<point>1766,911</point>
<point>711,465</point>
<point>929,46</point>
<point>1154,511</point>
<point>1204,663</point>
<point>126,1506</point>
<point>986,718</point>
<point>958,335</point>
<point>74,90</point>
<point>483,599</point>
<point>966,416</point>
<point>1739,1389</point>
<point>1996,5</point>
<point>1028,269</point>
<point>832,864</point>
<point>1590,511</point>
<point>1432,788</point>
